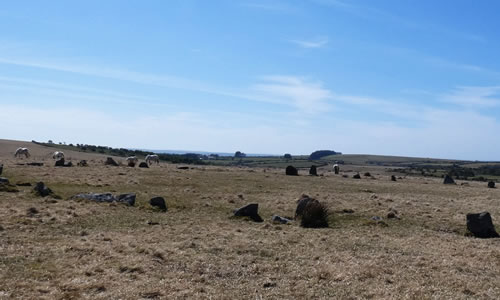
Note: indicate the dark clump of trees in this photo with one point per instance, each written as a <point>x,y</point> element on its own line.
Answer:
<point>239,154</point>
<point>322,153</point>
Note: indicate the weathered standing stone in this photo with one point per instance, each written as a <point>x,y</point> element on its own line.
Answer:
<point>481,225</point>
<point>143,165</point>
<point>158,202</point>
<point>110,162</point>
<point>42,190</point>
<point>313,171</point>
<point>448,180</point>
<point>60,162</point>
<point>82,163</point>
<point>291,171</point>
<point>250,210</point>
<point>491,184</point>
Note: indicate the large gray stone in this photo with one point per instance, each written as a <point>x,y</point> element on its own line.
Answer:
<point>251,210</point>
<point>301,205</point>
<point>481,225</point>
<point>107,197</point>
<point>291,171</point>
<point>60,162</point>
<point>448,180</point>
<point>126,198</point>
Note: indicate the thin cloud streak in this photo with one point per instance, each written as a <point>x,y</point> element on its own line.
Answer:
<point>311,44</point>
<point>474,97</point>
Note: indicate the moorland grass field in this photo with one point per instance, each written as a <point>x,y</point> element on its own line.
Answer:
<point>59,248</point>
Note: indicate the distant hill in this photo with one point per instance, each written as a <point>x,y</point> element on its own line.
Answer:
<point>322,153</point>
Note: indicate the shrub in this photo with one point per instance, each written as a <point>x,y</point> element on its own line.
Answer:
<point>315,215</point>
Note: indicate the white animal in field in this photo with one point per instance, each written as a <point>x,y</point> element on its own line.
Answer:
<point>132,160</point>
<point>22,151</point>
<point>336,168</point>
<point>58,155</point>
<point>152,158</point>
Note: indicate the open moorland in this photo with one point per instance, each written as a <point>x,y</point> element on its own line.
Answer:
<point>56,247</point>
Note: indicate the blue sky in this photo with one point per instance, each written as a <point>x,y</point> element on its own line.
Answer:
<point>413,78</point>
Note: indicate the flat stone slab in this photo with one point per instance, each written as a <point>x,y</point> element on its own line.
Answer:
<point>107,197</point>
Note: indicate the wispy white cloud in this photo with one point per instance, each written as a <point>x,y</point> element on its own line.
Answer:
<point>318,42</point>
<point>299,93</point>
<point>308,96</point>
<point>474,97</point>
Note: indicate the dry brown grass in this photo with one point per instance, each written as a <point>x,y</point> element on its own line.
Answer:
<point>65,249</point>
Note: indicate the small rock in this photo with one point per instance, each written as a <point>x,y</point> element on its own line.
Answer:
<point>4,180</point>
<point>158,202</point>
<point>1,169</point>
<point>23,184</point>
<point>367,174</point>
<point>356,176</point>
<point>393,178</point>
<point>491,185</point>
<point>143,165</point>
<point>391,215</point>
<point>32,211</point>
<point>183,168</point>
<point>110,162</point>
<point>127,198</point>
<point>348,211</point>
<point>42,190</point>
<point>82,163</point>
<point>281,220</point>
<point>269,284</point>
